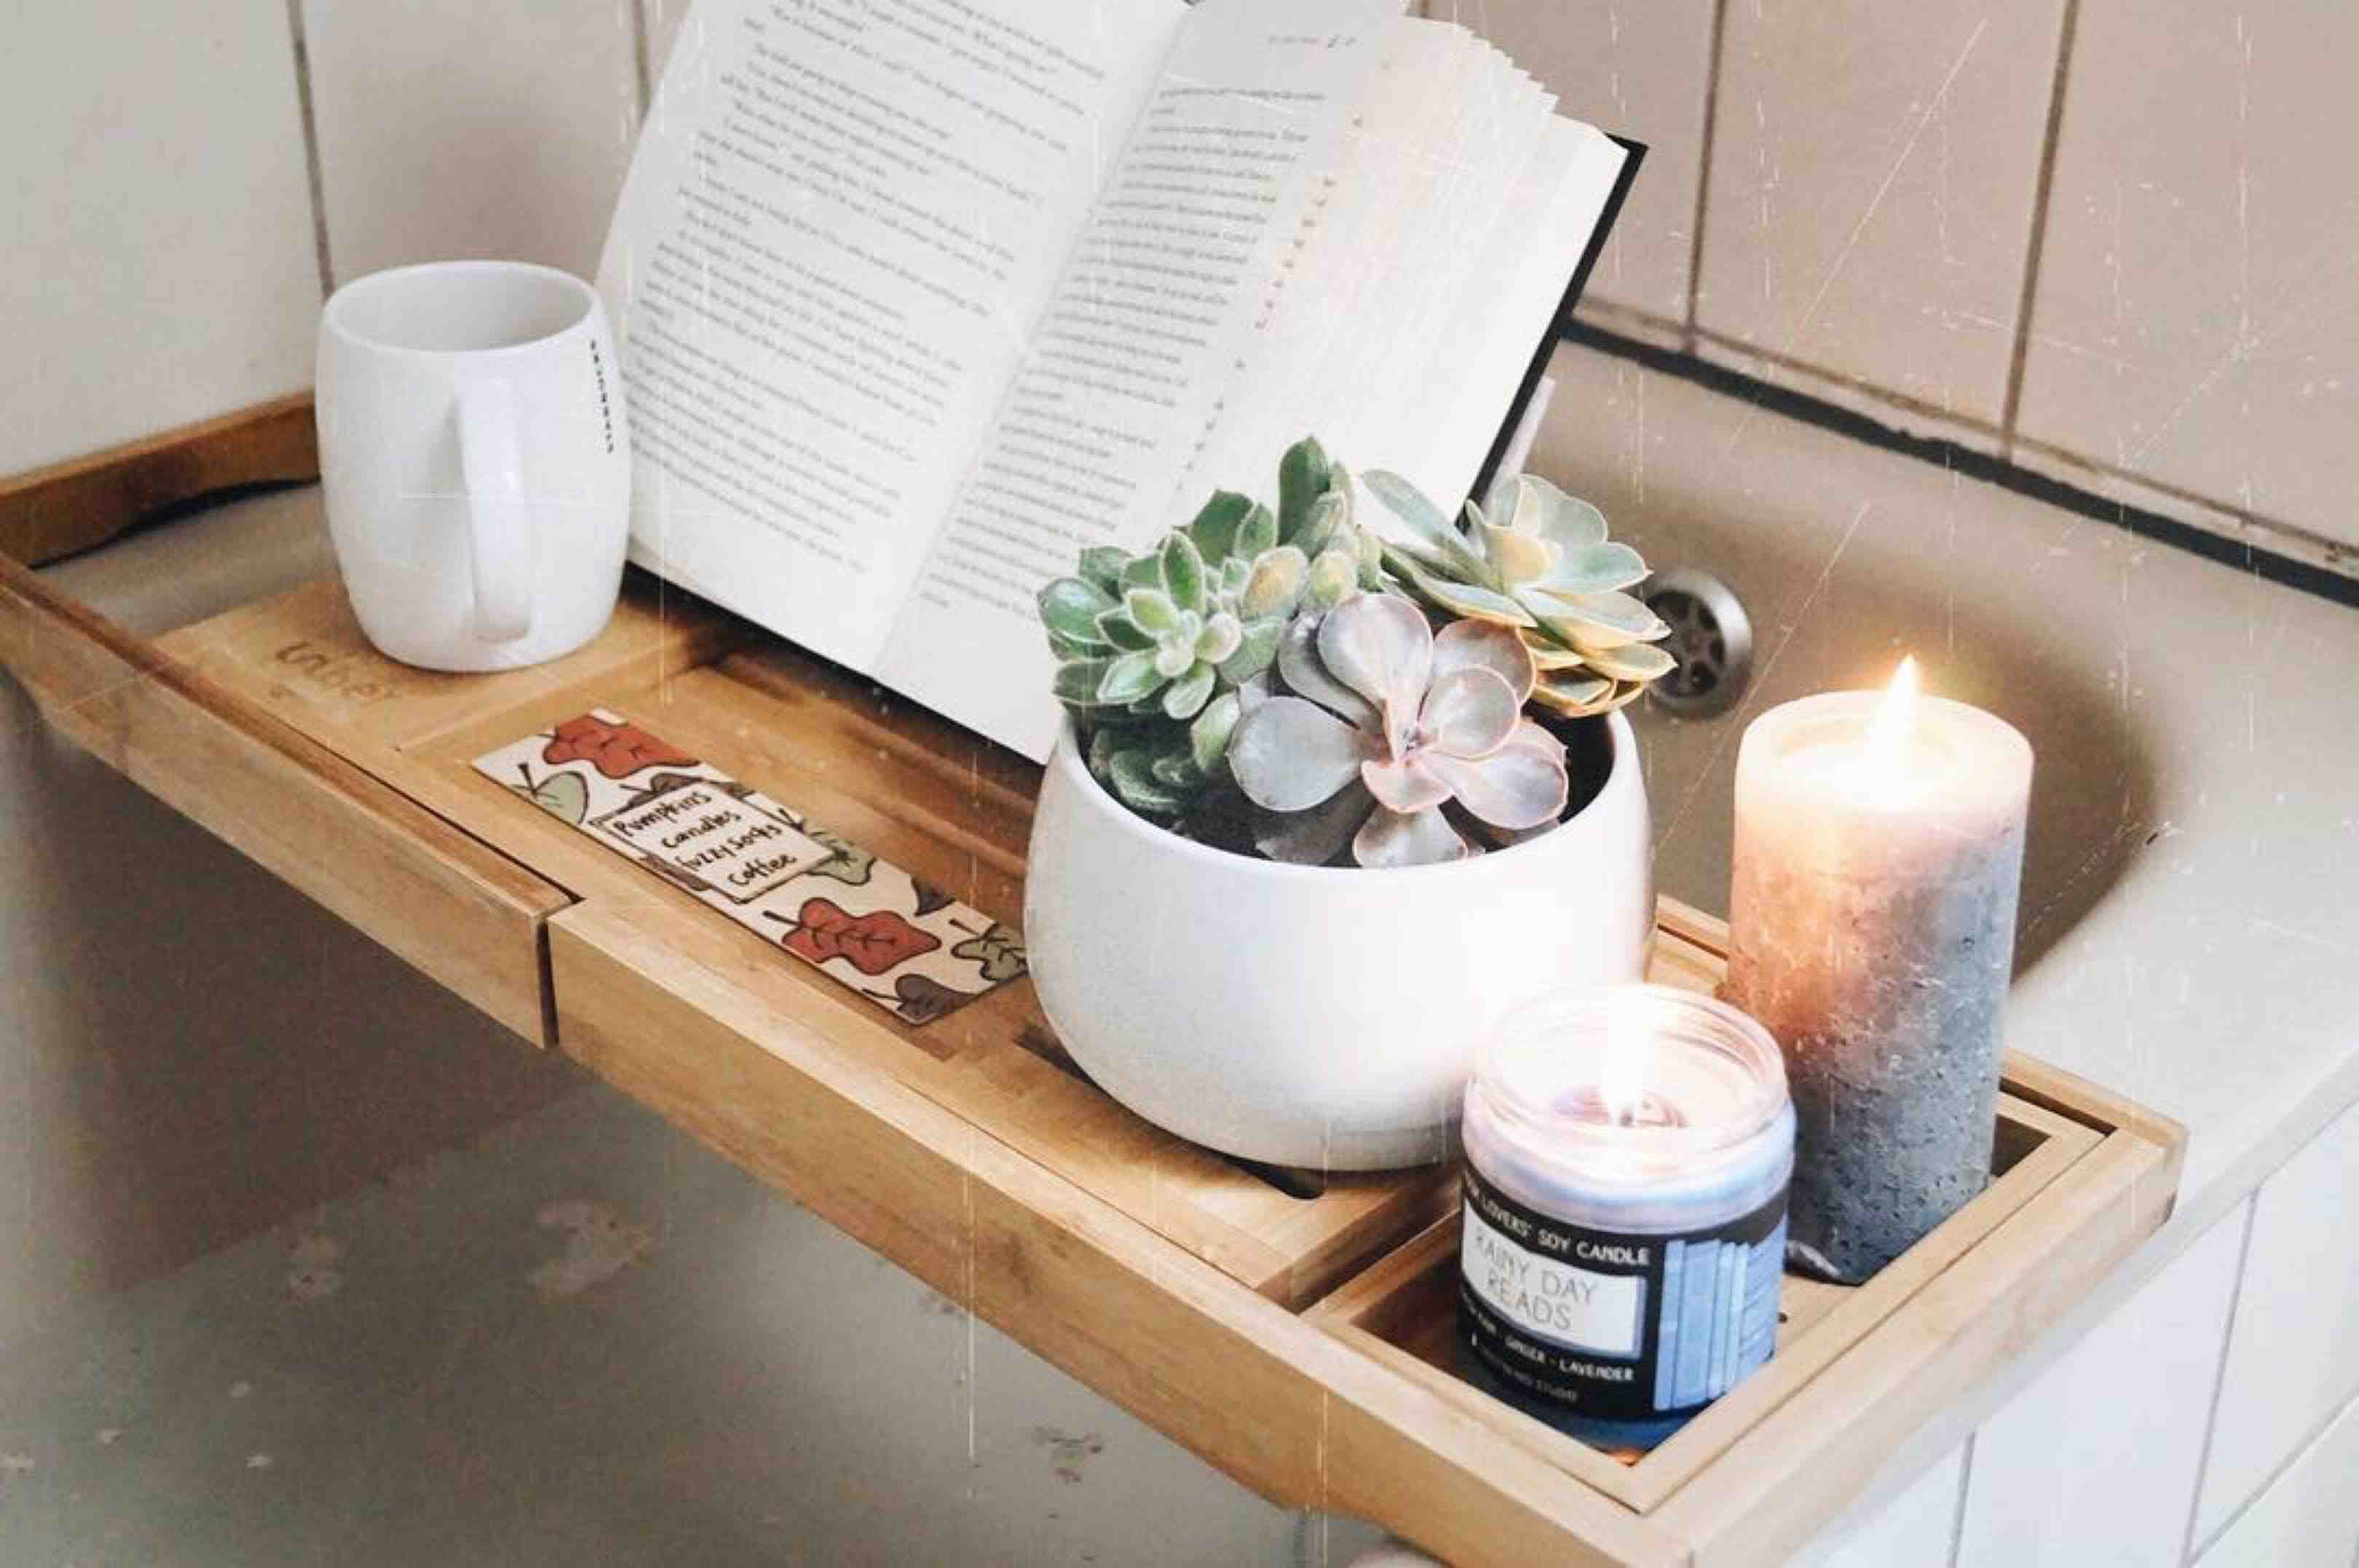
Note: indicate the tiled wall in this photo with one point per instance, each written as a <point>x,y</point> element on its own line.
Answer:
<point>2107,240</point>
<point>158,266</point>
<point>2104,239</point>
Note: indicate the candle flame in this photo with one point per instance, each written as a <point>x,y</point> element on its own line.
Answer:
<point>1622,1080</point>
<point>1888,735</point>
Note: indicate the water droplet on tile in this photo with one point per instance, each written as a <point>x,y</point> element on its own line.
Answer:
<point>238,1390</point>
<point>599,1244</point>
<point>313,1275</point>
<point>259,1461</point>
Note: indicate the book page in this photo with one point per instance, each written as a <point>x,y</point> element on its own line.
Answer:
<point>1445,129</point>
<point>1528,260</point>
<point>1147,335</point>
<point>839,230</point>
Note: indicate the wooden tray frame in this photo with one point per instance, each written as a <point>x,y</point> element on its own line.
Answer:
<point>1291,1340</point>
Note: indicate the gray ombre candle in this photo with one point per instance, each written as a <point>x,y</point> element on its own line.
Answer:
<point>1879,854</point>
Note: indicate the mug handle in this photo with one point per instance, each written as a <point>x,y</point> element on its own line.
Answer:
<point>499,525</point>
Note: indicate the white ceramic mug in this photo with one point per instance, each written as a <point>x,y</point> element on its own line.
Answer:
<point>476,461</point>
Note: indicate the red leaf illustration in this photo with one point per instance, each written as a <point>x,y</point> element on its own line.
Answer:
<point>873,943</point>
<point>617,751</point>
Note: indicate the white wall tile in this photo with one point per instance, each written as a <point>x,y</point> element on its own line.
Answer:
<point>1912,1531</point>
<point>158,266</point>
<point>1874,172</point>
<point>1641,70</point>
<point>2197,317</point>
<point>2095,1465</point>
<point>2293,1352</point>
<point>449,128</point>
<point>2309,1517</point>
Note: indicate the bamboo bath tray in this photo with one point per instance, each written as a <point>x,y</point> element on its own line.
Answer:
<point>1293,1331</point>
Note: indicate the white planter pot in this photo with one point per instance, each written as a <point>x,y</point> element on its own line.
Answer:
<point>1315,1015</point>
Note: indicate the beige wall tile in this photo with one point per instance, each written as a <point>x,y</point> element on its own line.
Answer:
<point>451,129</point>
<point>158,266</point>
<point>1639,68</point>
<point>1873,177</point>
<point>663,19</point>
<point>2197,315</point>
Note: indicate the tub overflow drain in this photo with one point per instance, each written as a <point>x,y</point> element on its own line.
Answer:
<point>1711,637</point>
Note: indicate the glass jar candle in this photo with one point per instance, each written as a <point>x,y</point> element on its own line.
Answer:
<point>1627,1155</point>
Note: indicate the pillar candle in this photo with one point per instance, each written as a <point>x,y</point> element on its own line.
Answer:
<point>1879,852</point>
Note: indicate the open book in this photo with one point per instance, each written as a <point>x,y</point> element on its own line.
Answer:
<point>918,299</point>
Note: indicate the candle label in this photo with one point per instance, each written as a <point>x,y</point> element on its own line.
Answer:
<point>1617,1326</point>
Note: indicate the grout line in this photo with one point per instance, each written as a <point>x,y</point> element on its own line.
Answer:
<point>2035,252</point>
<point>1712,52</point>
<point>1958,1511</point>
<point>2219,1383</point>
<point>2308,1441</point>
<point>2244,555</point>
<point>1704,337</point>
<point>311,176</point>
<point>639,53</point>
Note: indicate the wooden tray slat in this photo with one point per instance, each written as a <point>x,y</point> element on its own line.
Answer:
<point>1296,1342</point>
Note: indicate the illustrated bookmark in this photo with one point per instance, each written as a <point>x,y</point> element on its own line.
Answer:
<point>903,944</point>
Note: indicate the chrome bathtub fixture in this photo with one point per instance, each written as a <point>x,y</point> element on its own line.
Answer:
<point>1712,639</point>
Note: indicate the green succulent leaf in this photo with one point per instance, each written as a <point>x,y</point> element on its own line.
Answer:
<point>1572,691</point>
<point>1208,737</point>
<point>1302,479</point>
<point>1103,744</point>
<point>1595,620</point>
<point>1219,638</point>
<point>1117,630</point>
<point>1175,657</point>
<point>1632,660</point>
<point>1518,557</point>
<point>1102,566</point>
<point>1186,696</point>
<point>1146,571</point>
<point>1465,598</point>
<point>1332,577</point>
<point>1069,607</point>
<point>1318,530</point>
<point>1276,582</point>
<point>1183,571</point>
<point>1151,611</point>
<point>1257,533</point>
<point>1176,771</point>
<point>1079,680</point>
<point>1255,650</point>
<point>1065,647</point>
<point>1593,568</point>
<point>1128,678</point>
<point>1132,773</point>
<point>1233,573</point>
<point>1214,528</point>
<point>1408,503</point>
<point>1563,520</point>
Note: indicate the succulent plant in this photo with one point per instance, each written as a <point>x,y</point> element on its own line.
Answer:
<point>1153,649</point>
<point>1537,561</point>
<point>1389,740</point>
